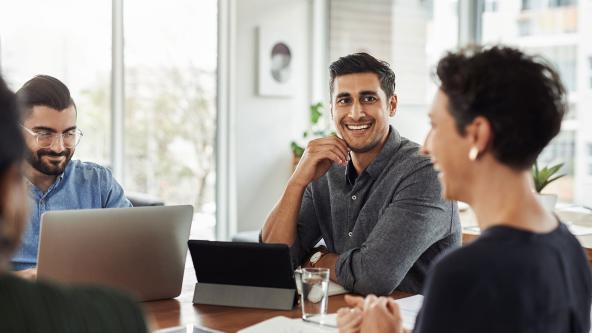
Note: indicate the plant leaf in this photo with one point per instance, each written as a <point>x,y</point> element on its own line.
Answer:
<point>543,177</point>
<point>297,150</point>
<point>315,112</point>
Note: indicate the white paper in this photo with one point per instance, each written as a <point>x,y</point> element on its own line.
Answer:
<point>187,329</point>
<point>281,324</point>
<point>409,307</point>
<point>579,230</point>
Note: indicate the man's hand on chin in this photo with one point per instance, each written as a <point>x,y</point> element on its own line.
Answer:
<point>27,274</point>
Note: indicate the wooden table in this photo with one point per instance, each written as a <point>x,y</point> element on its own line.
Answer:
<point>181,311</point>
<point>468,221</point>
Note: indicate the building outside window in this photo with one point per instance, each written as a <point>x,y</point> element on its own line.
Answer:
<point>411,35</point>
<point>555,30</point>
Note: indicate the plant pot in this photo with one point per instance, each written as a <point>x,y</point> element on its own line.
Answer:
<point>548,201</point>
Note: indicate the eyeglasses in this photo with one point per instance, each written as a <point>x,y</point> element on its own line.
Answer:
<point>44,139</point>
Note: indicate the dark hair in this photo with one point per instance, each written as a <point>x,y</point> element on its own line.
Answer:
<point>44,90</point>
<point>520,95</point>
<point>363,63</point>
<point>12,144</point>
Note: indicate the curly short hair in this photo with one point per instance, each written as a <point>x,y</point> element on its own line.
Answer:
<point>520,95</point>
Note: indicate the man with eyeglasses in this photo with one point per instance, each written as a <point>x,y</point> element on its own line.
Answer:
<point>55,181</point>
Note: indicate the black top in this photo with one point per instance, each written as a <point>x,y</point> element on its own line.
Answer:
<point>510,280</point>
<point>42,307</point>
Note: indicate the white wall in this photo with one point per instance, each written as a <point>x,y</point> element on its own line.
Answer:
<point>583,182</point>
<point>262,127</point>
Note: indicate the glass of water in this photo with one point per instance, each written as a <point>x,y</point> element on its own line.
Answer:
<point>314,294</point>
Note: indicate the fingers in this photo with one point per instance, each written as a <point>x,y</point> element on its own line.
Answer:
<point>340,143</point>
<point>393,307</point>
<point>354,301</point>
<point>349,320</point>
<point>370,314</point>
<point>370,299</point>
<point>333,144</point>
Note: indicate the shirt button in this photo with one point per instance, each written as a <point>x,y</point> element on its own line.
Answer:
<point>350,234</point>
<point>42,201</point>
<point>354,197</point>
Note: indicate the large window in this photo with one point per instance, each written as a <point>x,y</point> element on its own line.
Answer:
<point>409,34</point>
<point>169,57</point>
<point>413,35</point>
<point>552,30</point>
<point>69,40</point>
<point>170,90</point>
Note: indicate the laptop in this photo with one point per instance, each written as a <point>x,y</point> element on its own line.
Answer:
<point>243,274</point>
<point>139,250</point>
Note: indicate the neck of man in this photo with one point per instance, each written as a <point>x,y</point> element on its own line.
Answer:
<point>38,178</point>
<point>503,196</point>
<point>362,160</point>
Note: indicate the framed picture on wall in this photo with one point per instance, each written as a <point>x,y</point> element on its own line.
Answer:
<point>275,61</point>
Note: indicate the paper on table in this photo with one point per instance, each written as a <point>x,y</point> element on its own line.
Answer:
<point>281,324</point>
<point>409,307</point>
<point>578,230</point>
<point>187,329</point>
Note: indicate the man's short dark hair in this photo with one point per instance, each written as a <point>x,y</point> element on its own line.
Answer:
<point>520,95</point>
<point>44,90</point>
<point>12,144</point>
<point>363,63</point>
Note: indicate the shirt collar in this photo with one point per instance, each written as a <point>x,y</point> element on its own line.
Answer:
<point>391,145</point>
<point>58,180</point>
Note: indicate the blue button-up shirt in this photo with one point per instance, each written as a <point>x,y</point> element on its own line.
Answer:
<point>83,185</point>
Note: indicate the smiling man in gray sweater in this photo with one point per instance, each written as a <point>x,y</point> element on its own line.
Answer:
<point>368,192</point>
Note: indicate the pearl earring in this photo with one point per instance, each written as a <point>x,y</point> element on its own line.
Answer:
<point>473,153</point>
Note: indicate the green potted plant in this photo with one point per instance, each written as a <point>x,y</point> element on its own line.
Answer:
<point>317,129</point>
<point>543,177</point>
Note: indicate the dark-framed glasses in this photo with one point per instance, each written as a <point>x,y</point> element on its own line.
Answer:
<point>45,139</point>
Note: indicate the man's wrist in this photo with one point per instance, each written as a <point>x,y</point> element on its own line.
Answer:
<point>294,183</point>
<point>317,255</point>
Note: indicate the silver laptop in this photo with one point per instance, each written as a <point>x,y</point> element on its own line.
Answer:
<point>140,250</point>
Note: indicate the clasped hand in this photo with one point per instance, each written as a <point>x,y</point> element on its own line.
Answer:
<point>370,314</point>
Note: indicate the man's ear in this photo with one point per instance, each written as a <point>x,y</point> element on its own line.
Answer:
<point>480,133</point>
<point>331,109</point>
<point>392,105</point>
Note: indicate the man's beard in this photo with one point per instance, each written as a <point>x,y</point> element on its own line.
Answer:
<point>49,168</point>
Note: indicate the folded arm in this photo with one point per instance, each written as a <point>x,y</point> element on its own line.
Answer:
<point>416,218</point>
